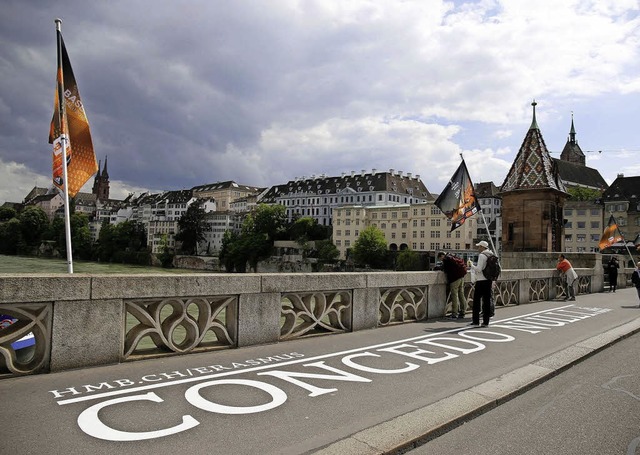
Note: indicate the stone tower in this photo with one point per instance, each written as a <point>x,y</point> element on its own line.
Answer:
<point>533,197</point>
<point>101,183</point>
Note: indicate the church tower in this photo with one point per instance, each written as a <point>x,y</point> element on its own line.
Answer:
<point>571,151</point>
<point>533,197</point>
<point>101,183</point>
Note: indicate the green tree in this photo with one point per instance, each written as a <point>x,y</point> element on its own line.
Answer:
<point>191,227</point>
<point>270,220</point>
<point>327,251</point>
<point>81,242</point>
<point>306,229</point>
<point>371,247</point>
<point>10,236</point>
<point>408,260</point>
<point>584,194</point>
<point>166,255</point>
<point>33,223</point>
<point>6,213</point>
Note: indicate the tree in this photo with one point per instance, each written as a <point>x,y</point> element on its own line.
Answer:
<point>10,236</point>
<point>306,229</point>
<point>270,220</point>
<point>6,213</point>
<point>579,193</point>
<point>371,247</point>
<point>81,242</point>
<point>327,251</point>
<point>191,227</point>
<point>33,224</point>
<point>408,260</point>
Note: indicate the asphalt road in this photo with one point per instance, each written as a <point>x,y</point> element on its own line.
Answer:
<point>367,392</point>
<point>592,408</point>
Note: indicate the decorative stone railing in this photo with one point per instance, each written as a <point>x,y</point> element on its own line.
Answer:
<point>79,320</point>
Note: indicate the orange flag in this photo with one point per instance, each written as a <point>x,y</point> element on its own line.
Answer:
<point>610,235</point>
<point>72,121</point>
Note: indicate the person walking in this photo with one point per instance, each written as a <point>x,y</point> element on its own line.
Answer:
<point>612,269</point>
<point>635,279</point>
<point>482,291</point>
<point>455,270</point>
<point>568,275</point>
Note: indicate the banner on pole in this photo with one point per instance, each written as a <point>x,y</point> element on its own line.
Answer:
<point>458,199</point>
<point>610,235</point>
<point>81,159</point>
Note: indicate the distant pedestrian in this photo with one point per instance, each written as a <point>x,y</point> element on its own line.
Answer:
<point>455,270</point>
<point>568,275</point>
<point>635,278</point>
<point>482,291</point>
<point>612,269</point>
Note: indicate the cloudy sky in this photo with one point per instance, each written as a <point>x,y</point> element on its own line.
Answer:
<point>184,93</point>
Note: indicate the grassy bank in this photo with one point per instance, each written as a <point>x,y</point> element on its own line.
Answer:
<point>23,264</point>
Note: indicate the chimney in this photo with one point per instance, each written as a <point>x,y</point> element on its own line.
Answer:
<point>409,175</point>
<point>399,173</point>
<point>353,173</point>
<point>363,172</point>
<point>391,171</point>
<point>620,176</point>
<point>373,171</point>
<point>417,176</point>
<point>343,174</point>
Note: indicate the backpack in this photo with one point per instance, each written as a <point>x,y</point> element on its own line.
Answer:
<point>458,269</point>
<point>492,268</point>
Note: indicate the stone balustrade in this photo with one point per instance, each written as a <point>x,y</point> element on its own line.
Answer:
<point>80,320</point>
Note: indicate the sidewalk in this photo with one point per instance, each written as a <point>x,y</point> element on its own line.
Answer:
<point>414,428</point>
<point>369,392</point>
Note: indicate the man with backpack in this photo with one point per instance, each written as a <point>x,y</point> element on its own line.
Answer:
<point>486,271</point>
<point>455,270</point>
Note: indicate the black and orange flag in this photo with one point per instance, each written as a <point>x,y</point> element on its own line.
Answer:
<point>458,199</point>
<point>610,235</point>
<point>70,120</point>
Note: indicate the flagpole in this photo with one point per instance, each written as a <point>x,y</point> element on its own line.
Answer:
<point>63,141</point>
<point>625,244</point>
<point>484,221</point>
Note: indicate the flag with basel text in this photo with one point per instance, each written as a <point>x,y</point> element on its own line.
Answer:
<point>458,200</point>
<point>71,120</point>
<point>610,235</point>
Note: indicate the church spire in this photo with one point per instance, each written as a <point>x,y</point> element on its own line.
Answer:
<point>105,174</point>
<point>534,124</point>
<point>572,132</point>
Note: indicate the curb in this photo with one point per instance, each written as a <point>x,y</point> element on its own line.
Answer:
<point>415,428</point>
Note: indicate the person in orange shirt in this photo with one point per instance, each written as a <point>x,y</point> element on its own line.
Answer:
<point>569,276</point>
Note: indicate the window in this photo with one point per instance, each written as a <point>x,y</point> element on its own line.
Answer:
<point>582,212</point>
<point>405,214</point>
<point>414,234</point>
<point>568,212</point>
<point>338,233</point>
<point>404,225</point>
<point>595,237</point>
<point>338,242</point>
<point>383,226</point>
<point>347,233</point>
<point>384,215</point>
<point>595,212</point>
<point>568,237</point>
<point>595,225</point>
<point>347,243</point>
<point>404,235</point>
<point>393,235</point>
<point>568,225</point>
<point>582,225</point>
<point>423,223</point>
<point>581,237</point>
<point>415,223</point>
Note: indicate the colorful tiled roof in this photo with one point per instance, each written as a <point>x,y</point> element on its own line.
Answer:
<point>533,168</point>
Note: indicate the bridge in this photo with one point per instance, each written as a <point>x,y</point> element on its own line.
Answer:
<point>235,363</point>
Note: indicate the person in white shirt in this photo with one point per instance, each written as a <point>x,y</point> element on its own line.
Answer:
<point>482,292</point>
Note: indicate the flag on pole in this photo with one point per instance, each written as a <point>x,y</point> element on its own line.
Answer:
<point>72,122</point>
<point>458,199</point>
<point>610,235</point>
